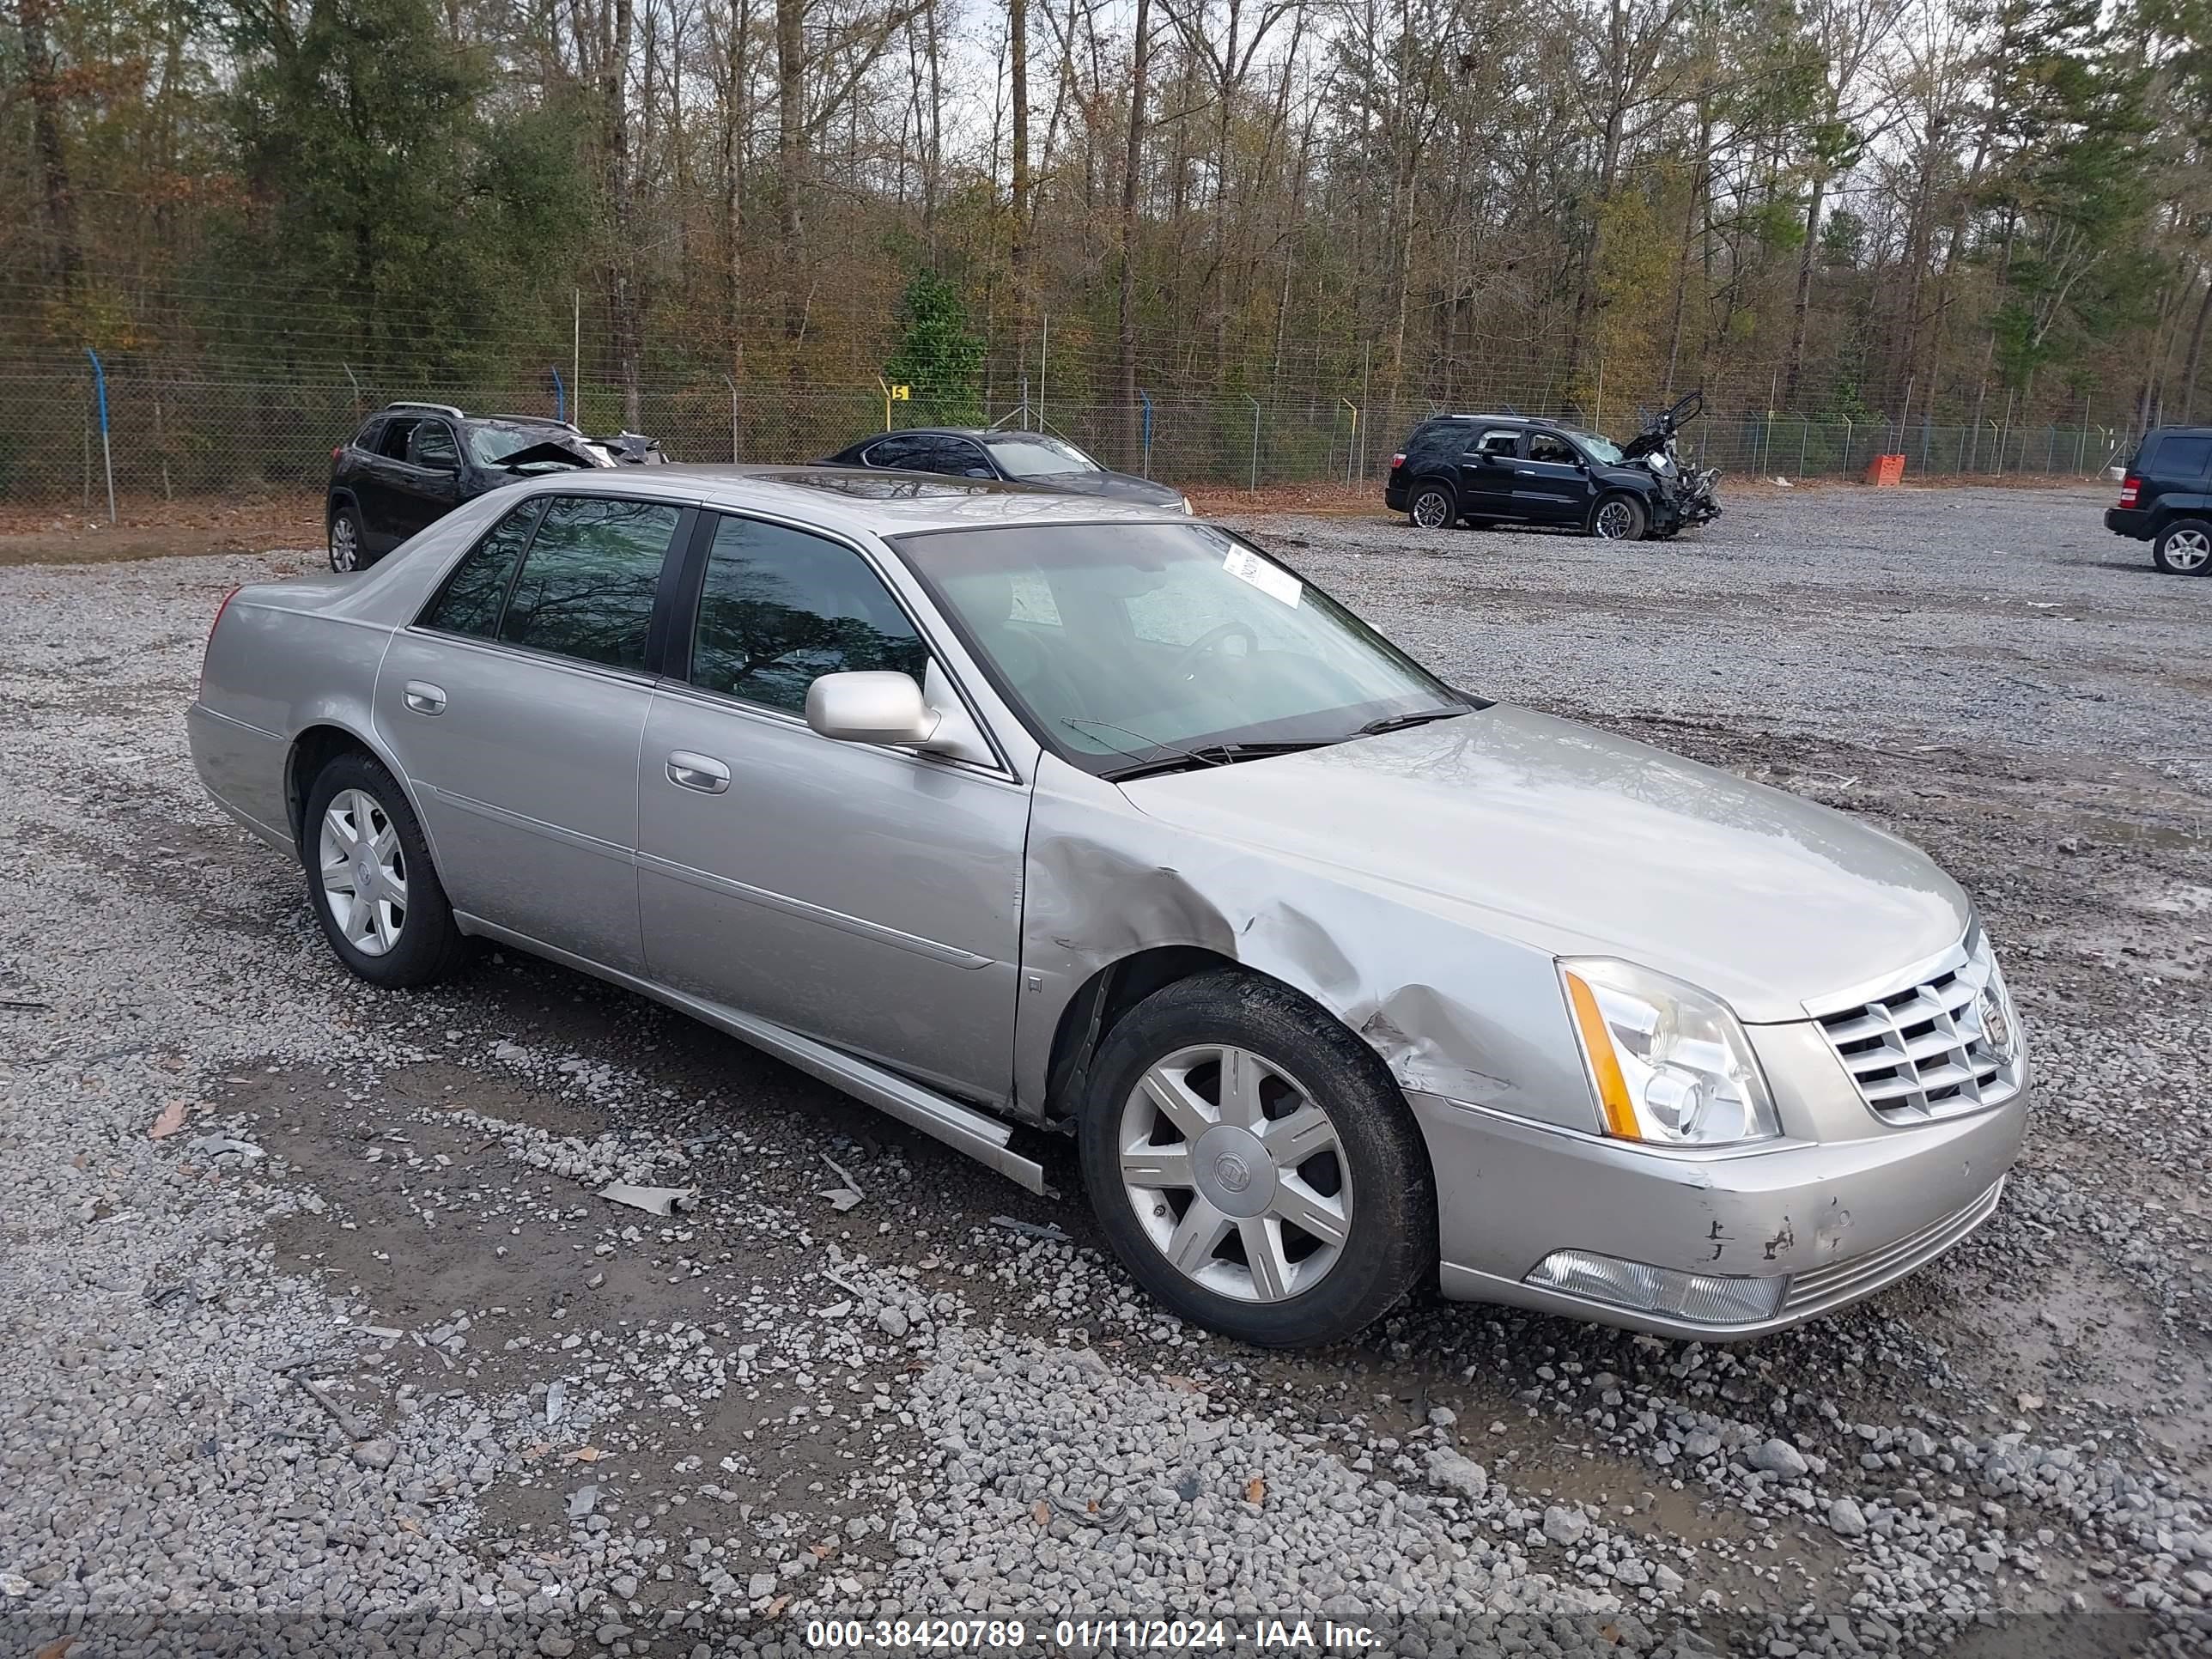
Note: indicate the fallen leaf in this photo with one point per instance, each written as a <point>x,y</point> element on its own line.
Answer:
<point>1610,1633</point>
<point>1183,1383</point>
<point>1043,1513</point>
<point>170,1120</point>
<point>821,1552</point>
<point>55,1650</point>
<point>775,1607</point>
<point>408,1524</point>
<point>1255,1491</point>
<point>532,1453</point>
<point>583,1455</point>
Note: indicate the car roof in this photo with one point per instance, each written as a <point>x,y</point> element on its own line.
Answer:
<point>880,501</point>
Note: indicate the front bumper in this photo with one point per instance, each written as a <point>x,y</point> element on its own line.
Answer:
<point>2129,522</point>
<point>1839,1220</point>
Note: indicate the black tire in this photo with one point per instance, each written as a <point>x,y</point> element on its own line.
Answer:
<point>1390,1243</point>
<point>425,945</point>
<point>2183,548</point>
<point>1434,498</point>
<point>1636,521</point>
<point>348,545</point>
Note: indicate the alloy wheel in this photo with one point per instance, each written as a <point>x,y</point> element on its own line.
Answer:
<point>1615,519</point>
<point>364,871</point>
<point>1431,509</point>
<point>2188,550</point>
<point>1236,1173</point>
<point>345,543</point>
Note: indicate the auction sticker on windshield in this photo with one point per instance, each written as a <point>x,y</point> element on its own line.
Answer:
<point>1275,584</point>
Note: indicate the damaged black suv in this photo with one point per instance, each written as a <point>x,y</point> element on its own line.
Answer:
<point>1511,468</point>
<point>411,464</point>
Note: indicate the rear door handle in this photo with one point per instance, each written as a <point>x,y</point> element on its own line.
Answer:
<point>702,772</point>
<point>425,698</point>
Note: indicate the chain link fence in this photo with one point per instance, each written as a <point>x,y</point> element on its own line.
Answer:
<point>194,435</point>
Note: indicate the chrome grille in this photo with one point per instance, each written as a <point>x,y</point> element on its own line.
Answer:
<point>1927,1050</point>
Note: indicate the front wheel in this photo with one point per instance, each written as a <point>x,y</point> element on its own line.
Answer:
<point>1432,507</point>
<point>2183,548</point>
<point>1619,519</point>
<point>1252,1164</point>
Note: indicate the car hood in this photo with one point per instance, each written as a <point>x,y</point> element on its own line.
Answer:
<point>1581,843</point>
<point>1120,486</point>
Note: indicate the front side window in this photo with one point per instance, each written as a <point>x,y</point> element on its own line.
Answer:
<point>1124,642</point>
<point>1032,455</point>
<point>434,446</point>
<point>586,590</point>
<point>779,609</point>
<point>1552,447</point>
<point>470,602</point>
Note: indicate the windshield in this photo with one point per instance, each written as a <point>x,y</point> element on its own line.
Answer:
<point>1032,455</point>
<point>492,442</point>
<point>1129,643</point>
<point>1603,450</point>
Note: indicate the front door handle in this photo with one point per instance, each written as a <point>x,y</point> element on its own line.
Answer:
<point>1524,472</point>
<point>702,772</point>
<point>425,698</point>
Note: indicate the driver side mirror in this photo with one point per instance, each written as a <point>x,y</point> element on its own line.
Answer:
<point>869,706</point>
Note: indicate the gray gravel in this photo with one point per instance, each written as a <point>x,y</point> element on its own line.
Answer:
<point>353,1353</point>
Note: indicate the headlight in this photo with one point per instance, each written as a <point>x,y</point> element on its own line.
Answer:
<point>1670,1064</point>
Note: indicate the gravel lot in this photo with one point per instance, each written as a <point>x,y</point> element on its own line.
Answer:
<point>314,1329</point>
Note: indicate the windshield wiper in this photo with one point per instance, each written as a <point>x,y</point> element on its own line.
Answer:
<point>1212,754</point>
<point>1400,722</point>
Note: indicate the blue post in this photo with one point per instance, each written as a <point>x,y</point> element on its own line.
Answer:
<point>107,455</point>
<point>560,394</point>
<point>1147,397</point>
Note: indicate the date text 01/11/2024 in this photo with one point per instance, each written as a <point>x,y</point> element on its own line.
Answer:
<point>1007,1636</point>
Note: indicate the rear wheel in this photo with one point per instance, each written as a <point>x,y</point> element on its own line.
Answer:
<point>2183,548</point>
<point>1252,1164</point>
<point>370,880</point>
<point>1618,519</point>
<point>1432,507</point>
<point>347,551</point>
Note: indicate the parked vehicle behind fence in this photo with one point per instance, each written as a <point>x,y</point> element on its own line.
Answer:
<point>1012,814</point>
<point>2165,499</point>
<point>1036,459</point>
<point>1508,469</point>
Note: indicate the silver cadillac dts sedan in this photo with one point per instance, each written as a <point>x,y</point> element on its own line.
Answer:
<point>1007,811</point>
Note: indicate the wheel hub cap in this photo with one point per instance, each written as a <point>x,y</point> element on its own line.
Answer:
<point>1234,1171</point>
<point>364,871</point>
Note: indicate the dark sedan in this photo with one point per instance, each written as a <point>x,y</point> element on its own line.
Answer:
<point>1027,458</point>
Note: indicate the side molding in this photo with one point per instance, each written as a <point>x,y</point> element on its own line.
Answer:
<point>965,1129</point>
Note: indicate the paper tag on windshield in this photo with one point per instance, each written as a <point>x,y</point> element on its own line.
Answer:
<point>1275,584</point>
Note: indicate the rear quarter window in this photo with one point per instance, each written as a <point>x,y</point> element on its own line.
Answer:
<point>2176,458</point>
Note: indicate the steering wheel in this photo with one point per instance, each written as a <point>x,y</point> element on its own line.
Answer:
<point>1206,641</point>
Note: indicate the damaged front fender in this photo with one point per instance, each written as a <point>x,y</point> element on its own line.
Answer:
<point>1451,1011</point>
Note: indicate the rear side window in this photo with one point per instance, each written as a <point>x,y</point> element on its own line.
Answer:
<point>2178,457</point>
<point>1438,439</point>
<point>470,599</point>
<point>905,453</point>
<point>781,608</point>
<point>585,589</point>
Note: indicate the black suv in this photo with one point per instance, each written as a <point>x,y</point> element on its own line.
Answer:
<point>411,464</point>
<point>1509,469</point>
<point>2164,500</point>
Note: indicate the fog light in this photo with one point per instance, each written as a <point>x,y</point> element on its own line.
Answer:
<point>1695,1298</point>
